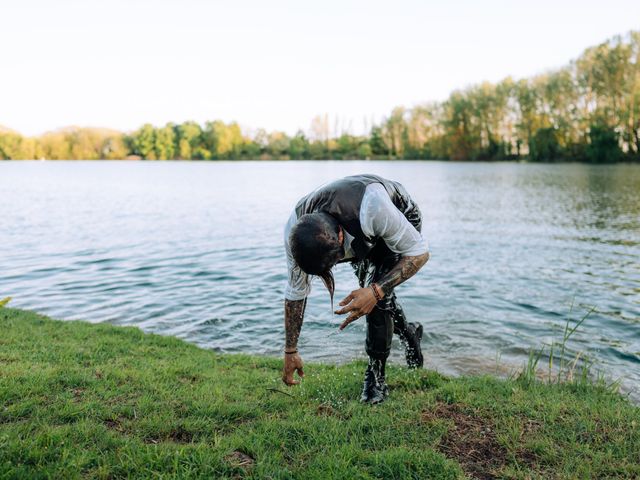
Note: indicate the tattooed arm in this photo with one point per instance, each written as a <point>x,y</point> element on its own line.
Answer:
<point>293,316</point>
<point>296,292</point>
<point>360,302</point>
<point>402,271</point>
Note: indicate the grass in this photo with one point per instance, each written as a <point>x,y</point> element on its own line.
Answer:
<point>561,366</point>
<point>96,401</point>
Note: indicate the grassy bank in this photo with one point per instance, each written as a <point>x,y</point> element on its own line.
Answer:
<point>96,401</point>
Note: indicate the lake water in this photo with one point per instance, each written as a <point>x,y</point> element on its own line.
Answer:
<point>195,250</point>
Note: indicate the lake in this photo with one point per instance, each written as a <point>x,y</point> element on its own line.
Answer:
<point>194,249</point>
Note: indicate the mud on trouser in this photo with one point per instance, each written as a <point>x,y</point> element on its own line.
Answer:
<point>387,317</point>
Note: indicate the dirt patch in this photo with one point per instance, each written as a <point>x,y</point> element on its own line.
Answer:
<point>240,459</point>
<point>114,424</point>
<point>77,394</point>
<point>180,435</point>
<point>471,441</point>
<point>189,379</point>
<point>326,410</point>
<point>177,435</point>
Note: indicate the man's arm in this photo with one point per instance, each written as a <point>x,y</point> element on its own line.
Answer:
<point>293,317</point>
<point>360,302</point>
<point>296,292</point>
<point>402,271</point>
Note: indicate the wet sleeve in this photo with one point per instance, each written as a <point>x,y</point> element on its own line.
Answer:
<point>379,217</point>
<point>298,283</point>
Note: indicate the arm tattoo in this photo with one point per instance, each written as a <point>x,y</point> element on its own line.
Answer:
<point>403,270</point>
<point>293,315</point>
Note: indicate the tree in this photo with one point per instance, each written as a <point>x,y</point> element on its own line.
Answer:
<point>188,137</point>
<point>165,142</point>
<point>377,143</point>
<point>394,132</point>
<point>14,146</point>
<point>278,145</point>
<point>544,145</point>
<point>603,145</point>
<point>221,140</point>
<point>143,142</point>
<point>299,146</point>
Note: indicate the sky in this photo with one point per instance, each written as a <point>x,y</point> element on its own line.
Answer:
<point>274,64</point>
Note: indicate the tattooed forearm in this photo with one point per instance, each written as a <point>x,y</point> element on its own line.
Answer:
<point>403,270</point>
<point>293,315</point>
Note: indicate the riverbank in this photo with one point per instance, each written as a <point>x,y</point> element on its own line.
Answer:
<point>79,400</point>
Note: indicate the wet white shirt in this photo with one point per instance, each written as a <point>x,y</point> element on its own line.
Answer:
<point>379,217</point>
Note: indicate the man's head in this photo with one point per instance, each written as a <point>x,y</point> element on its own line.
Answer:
<point>316,242</point>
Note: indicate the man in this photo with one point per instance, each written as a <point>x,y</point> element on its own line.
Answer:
<point>373,223</point>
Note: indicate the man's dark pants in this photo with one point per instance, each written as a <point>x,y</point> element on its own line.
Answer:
<point>387,317</point>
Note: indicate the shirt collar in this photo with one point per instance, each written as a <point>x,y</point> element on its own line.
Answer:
<point>348,251</point>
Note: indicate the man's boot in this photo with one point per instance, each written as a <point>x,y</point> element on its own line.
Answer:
<point>375,388</point>
<point>411,338</point>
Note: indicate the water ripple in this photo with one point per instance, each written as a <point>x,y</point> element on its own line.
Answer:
<point>513,248</point>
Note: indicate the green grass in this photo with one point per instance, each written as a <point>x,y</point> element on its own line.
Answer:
<point>96,401</point>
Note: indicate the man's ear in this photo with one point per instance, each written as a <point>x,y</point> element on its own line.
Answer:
<point>340,235</point>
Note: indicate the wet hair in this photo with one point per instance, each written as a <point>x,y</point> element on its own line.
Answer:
<point>315,246</point>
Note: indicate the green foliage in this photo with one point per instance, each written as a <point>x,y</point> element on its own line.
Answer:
<point>378,146</point>
<point>222,141</point>
<point>364,151</point>
<point>188,136</point>
<point>603,145</point>
<point>14,146</point>
<point>299,147</point>
<point>586,111</point>
<point>164,145</point>
<point>544,145</point>
<point>97,401</point>
<point>278,145</point>
<point>143,142</point>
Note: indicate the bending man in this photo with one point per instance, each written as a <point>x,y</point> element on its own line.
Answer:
<point>373,223</point>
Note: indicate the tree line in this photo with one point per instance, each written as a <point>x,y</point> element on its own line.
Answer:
<point>586,111</point>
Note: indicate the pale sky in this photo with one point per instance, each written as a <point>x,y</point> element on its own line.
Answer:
<point>274,64</point>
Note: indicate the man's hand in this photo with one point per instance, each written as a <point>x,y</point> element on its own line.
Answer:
<point>292,363</point>
<point>359,302</point>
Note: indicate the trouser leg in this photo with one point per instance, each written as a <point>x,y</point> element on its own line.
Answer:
<point>379,333</point>
<point>388,317</point>
<point>399,320</point>
<point>382,320</point>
